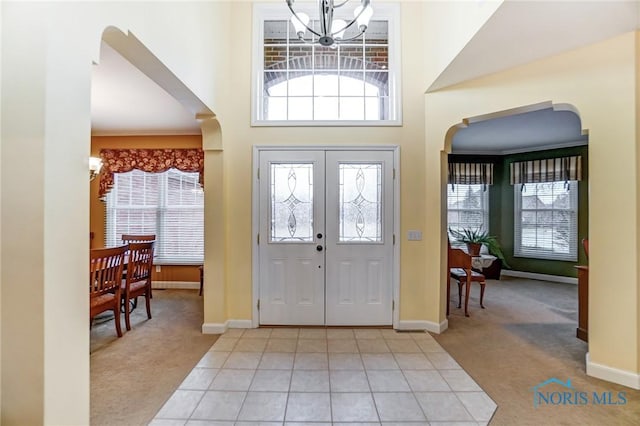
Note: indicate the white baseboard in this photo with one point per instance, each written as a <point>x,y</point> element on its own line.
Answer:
<point>614,375</point>
<point>213,328</point>
<point>218,328</point>
<point>433,327</point>
<point>541,277</point>
<point>185,285</point>
<point>239,323</point>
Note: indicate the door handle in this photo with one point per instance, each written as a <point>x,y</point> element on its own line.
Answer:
<point>319,247</point>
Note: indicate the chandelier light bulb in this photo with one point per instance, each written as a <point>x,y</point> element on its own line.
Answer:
<point>338,27</point>
<point>300,23</point>
<point>363,16</point>
<point>331,31</point>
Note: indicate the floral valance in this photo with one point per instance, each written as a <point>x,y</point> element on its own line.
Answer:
<point>562,169</point>
<point>148,160</point>
<point>470,174</point>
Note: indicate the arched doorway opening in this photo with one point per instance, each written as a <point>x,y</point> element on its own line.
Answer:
<point>144,106</point>
<point>525,196</point>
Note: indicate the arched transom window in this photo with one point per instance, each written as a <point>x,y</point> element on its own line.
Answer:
<point>301,81</point>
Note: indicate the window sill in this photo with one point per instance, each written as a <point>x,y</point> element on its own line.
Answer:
<point>176,263</point>
<point>547,257</point>
<point>326,123</point>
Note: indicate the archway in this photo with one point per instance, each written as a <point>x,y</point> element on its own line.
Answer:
<point>204,120</point>
<point>208,137</point>
<point>544,242</point>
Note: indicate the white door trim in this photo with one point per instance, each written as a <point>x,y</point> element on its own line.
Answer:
<point>255,218</point>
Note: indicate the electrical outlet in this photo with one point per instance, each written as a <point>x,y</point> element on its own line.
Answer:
<point>414,235</point>
<point>158,268</point>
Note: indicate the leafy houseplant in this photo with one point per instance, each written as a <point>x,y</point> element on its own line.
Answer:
<point>475,238</point>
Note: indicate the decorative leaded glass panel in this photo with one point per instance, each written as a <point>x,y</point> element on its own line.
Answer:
<point>291,202</point>
<point>360,202</point>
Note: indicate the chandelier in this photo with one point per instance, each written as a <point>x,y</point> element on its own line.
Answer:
<point>331,31</point>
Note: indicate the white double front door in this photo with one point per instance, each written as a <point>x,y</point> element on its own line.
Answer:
<point>326,237</point>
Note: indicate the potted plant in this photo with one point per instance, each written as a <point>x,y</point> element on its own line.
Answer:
<point>475,238</point>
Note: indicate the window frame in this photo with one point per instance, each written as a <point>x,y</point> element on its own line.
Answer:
<point>161,210</point>
<point>484,210</point>
<point>382,11</point>
<point>540,253</point>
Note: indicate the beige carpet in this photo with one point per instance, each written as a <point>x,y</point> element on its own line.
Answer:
<point>133,376</point>
<point>525,336</point>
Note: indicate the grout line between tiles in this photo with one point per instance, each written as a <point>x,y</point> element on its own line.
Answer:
<point>367,371</point>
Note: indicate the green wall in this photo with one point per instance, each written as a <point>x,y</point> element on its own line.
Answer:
<point>501,207</point>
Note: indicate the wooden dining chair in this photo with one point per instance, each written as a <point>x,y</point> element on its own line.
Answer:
<point>140,238</point>
<point>105,278</point>
<point>137,280</point>
<point>459,265</point>
<point>131,238</point>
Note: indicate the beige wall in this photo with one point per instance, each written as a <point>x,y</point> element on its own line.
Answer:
<point>47,53</point>
<point>450,26</point>
<point>46,56</point>
<point>239,138</point>
<point>600,82</point>
<point>637,138</point>
<point>0,224</point>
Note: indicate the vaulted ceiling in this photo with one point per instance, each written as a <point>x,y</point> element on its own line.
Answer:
<point>127,102</point>
<point>520,32</point>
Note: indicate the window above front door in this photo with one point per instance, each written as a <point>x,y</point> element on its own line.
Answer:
<point>301,82</point>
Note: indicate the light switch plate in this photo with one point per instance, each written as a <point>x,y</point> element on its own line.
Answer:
<point>158,268</point>
<point>414,235</point>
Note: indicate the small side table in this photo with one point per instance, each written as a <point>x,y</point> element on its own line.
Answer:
<point>482,261</point>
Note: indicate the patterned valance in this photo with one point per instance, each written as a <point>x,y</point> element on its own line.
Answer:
<point>562,169</point>
<point>470,174</point>
<point>147,160</point>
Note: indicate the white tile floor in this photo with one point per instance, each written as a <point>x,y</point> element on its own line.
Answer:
<point>323,376</point>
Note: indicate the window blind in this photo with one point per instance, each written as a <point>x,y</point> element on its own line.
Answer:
<point>169,205</point>
<point>467,207</point>
<point>546,220</point>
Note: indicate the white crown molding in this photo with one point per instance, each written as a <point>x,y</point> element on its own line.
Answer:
<point>523,150</point>
<point>560,145</point>
<point>145,132</point>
